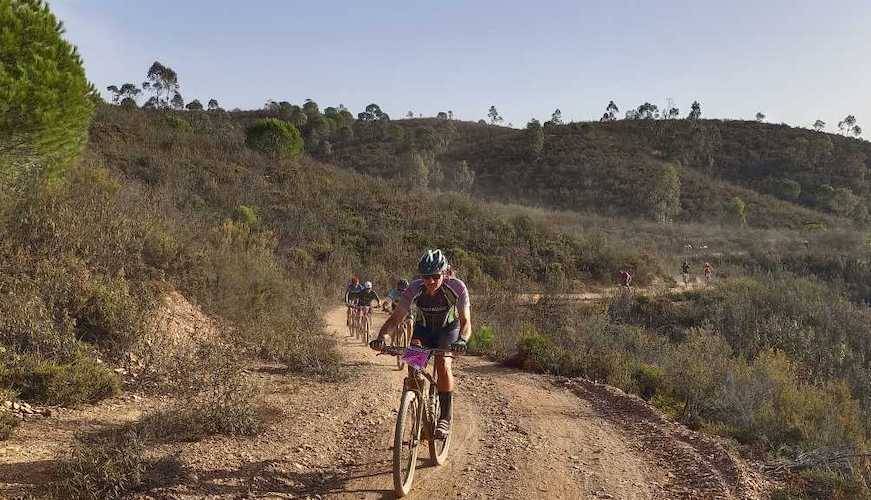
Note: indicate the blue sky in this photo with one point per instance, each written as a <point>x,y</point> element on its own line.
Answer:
<point>794,61</point>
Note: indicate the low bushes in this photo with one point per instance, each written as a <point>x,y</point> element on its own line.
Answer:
<point>688,357</point>
<point>81,380</point>
<point>206,376</point>
<point>105,466</point>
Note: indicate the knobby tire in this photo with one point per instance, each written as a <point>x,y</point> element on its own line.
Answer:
<point>438,448</point>
<point>406,439</point>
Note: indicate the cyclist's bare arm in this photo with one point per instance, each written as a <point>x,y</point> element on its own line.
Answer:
<point>465,322</point>
<point>396,317</point>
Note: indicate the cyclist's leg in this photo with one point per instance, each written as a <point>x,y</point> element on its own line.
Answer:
<point>443,364</point>
<point>445,378</point>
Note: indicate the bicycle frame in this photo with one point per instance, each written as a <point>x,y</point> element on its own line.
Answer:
<point>413,381</point>
<point>420,395</point>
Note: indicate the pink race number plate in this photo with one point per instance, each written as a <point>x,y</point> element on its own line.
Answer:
<point>415,357</point>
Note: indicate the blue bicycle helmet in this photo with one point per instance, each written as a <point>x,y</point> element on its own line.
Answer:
<point>432,262</point>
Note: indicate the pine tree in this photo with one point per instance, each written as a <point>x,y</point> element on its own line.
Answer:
<point>46,102</point>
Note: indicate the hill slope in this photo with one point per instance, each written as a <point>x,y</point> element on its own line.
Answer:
<point>788,177</point>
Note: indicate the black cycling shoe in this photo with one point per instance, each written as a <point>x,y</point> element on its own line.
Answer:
<point>443,429</point>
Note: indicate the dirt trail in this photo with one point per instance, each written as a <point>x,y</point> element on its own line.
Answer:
<point>518,435</point>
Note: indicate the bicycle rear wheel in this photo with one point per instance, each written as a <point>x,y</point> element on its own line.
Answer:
<point>358,326</point>
<point>438,448</point>
<point>354,324</point>
<point>406,439</point>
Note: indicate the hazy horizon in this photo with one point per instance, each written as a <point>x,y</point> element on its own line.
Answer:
<point>791,62</point>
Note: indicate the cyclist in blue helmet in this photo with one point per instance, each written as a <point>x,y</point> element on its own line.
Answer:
<point>443,322</point>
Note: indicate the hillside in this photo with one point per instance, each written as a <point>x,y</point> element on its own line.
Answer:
<point>788,177</point>
<point>177,201</point>
<point>326,220</point>
<point>171,322</point>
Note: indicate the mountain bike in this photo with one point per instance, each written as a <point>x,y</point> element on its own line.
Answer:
<point>354,327</point>
<point>351,321</point>
<point>417,417</point>
<point>365,323</point>
<point>401,337</point>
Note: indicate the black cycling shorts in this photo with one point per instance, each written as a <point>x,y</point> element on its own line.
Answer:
<point>437,338</point>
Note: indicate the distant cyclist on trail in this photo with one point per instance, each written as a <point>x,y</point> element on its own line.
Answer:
<point>352,293</point>
<point>367,296</point>
<point>625,279</point>
<point>443,323</point>
<point>709,270</point>
<point>685,271</point>
<point>394,294</point>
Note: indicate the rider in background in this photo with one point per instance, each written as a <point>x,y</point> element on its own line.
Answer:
<point>625,279</point>
<point>367,296</point>
<point>394,294</point>
<point>709,270</point>
<point>443,322</point>
<point>352,293</point>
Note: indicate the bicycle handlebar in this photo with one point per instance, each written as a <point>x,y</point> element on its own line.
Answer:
<point>400,351</point>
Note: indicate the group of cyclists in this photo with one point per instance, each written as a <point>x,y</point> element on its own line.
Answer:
<point>707,270</point>
<point>624,277</point>
<point>438,304</point>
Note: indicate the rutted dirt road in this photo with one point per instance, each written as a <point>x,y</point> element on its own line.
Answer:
<point>518,435</point>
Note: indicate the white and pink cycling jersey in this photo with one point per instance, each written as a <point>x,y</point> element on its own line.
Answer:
<point>440,309</point>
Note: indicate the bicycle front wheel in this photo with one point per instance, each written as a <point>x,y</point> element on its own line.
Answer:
<point>438,448</point>
<point>406,439</point>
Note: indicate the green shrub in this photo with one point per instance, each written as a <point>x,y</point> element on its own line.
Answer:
<point>228,409</point>
<point>765,400</point>
<point>647,380</point>
<point>536,352</point>
<point>482,340</point>
<point>696,371</point>
<point>247,215</point>
<point>106,466</point>
<point>111,316</point>
<point>274,137</point>
<point>82,380</point>
<point>28,325</point>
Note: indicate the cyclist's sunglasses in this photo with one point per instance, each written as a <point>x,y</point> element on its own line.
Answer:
<point>433,277</point>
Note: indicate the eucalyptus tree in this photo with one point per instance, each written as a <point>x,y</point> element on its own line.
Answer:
<point>162,82</point>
